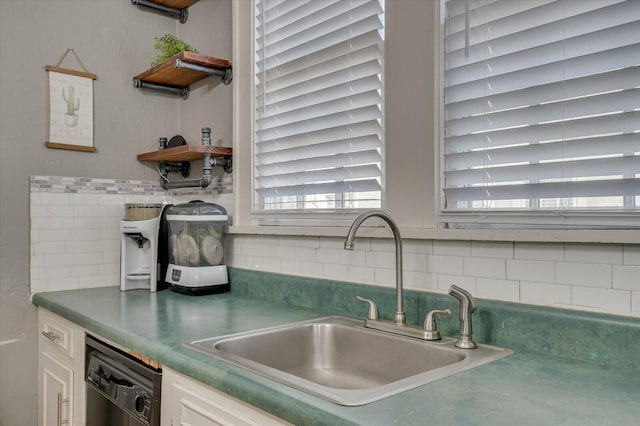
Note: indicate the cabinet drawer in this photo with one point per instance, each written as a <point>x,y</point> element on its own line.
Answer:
<point>56,333</point>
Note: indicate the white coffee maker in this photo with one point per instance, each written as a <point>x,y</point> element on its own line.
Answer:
<point>139,247</point>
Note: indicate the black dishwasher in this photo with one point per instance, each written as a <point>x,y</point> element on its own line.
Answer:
<point>121,389</point>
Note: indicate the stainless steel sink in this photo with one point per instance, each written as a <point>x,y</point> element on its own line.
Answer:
<point>337,359</point>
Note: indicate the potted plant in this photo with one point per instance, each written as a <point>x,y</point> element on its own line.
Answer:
<point>169,45</point>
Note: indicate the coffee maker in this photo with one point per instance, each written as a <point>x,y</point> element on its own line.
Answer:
<point>143,248</point>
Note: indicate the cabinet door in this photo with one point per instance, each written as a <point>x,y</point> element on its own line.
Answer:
<point>55,391</point>
<point>189,403</point>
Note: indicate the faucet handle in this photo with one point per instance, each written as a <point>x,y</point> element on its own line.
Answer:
<point>373,308</point>
<point>430,327</point>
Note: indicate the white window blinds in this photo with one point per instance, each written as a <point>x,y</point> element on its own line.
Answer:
<point>318,135</point>
<point>542,109</point>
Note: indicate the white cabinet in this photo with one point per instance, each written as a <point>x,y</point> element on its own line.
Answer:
<point>187,402</point>
<point>60,371</point>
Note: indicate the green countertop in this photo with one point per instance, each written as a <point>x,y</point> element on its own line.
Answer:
<point>525,389</point>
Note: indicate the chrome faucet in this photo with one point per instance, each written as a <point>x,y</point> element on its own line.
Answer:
<point>399,317</point>
<point>467,307</point>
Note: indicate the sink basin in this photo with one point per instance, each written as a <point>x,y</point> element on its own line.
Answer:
<point>338,359</point>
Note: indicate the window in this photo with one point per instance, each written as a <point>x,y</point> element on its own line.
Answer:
<point>541,112</point>
<point>318,105</point>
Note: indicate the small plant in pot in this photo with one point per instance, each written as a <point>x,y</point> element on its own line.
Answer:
<point>169,45</point>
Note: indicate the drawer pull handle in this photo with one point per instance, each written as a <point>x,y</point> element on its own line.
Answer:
<point>59,421</point>
<point>51,335</point>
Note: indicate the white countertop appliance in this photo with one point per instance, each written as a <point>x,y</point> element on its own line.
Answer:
<point>197,248</point>
<point>141,242</point>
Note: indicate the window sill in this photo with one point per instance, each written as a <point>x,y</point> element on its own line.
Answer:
<point>609,236</point>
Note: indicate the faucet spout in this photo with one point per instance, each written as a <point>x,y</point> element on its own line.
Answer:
<point>467,307</point>
<point>349,244</point>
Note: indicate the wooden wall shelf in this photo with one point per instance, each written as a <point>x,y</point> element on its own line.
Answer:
<point>177,73</point>
<point>185,153</point>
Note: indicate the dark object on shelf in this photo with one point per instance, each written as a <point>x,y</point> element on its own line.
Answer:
<point>174,8</point>
<point>177,73</point>
<point>211,155</point>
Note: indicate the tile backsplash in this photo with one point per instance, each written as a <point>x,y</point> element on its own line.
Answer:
<point>75,243</point>
<point>601,277</point>
<point>75,230</point>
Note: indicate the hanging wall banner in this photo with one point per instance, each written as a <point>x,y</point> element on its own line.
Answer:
<point>70,109</point>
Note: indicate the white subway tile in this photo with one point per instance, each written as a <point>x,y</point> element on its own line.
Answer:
<point>539,251</point>
<point>99,211</point>
<point>420,280</point>
<point>48,223</point>
<point>450,265</point>
<point>37,260</point>
<point>115,199</point>
<point>360,274</point>
<point>54,235</point>
<point>333,271</point>
<point>88,259</point>
<point>332,243</point>
<point>109,269</point>
<point>631,254</point>
<point>326,255</point>
<point>353,257</point>
<point>383,244</point>
<point>386,277</point>
<point>613,301</point>
<point>305,254</point>
<point>483,267</point>
<point>34,236</point>
<point>446,281</point>
<point>554,294</point>
<point>39,285</point>
<point>263,263</point>
<point>106,246</point>
<point>48,248</point>
<point>584,274</point>
<point>531,270</point>
<point>417,246</point>
<point>76,223</point>
<point>51,198</point>
<point>626,277</point>
<point>53,211</point>
<point>492,249</point>
<point>59,284</point>
<point>83,270</point>
<point>635,301</point>
<point>237,260</point>
<point>58,260</point>
<point>111,256</point>
<point>310,242</point>
<point>296,267</point>
<point>414,262</point>
<point>593,253</point>
<point>487,288</point>
<point>79,247</point>
<point>261,250</point>
<point>84,234</point>
<point>285,252</point>
<point>380,259</point>
<point>85,199</point>
<point>92,281</point>
<point>452,248</point>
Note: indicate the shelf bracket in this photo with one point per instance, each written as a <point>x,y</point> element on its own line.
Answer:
<point>180,14</point>
<point>183,92</point>
<point>226,74</point>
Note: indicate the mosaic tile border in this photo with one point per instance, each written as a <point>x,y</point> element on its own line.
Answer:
<point>81,185</point>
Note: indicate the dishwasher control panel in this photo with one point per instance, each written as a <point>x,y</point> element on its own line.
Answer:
<point>132,386</point>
